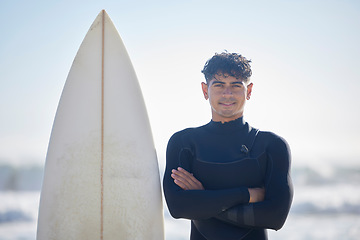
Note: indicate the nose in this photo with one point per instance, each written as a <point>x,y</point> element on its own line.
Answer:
<point>227,91</point>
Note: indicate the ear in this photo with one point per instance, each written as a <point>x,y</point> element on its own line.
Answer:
<point>204,87</point>
<point>249,90</point>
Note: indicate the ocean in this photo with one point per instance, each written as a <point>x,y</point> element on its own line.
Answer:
<point>326,205</point>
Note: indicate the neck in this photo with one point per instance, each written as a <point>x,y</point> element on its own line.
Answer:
<point>228,127</point>
<point>225,120</point>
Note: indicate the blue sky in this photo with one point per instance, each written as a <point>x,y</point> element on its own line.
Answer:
<point>305,58</point>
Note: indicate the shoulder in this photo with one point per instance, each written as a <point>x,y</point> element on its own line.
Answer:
<point>277,149</point>
<point>189,131</point>
<point>273,141</point>
<point>184,135</point>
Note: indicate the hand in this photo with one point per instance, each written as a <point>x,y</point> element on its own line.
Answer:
<point>186,180</point>
<point>256,194</point>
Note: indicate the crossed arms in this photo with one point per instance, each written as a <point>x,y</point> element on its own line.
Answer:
<point>187,181</point>
<point>266,207</point>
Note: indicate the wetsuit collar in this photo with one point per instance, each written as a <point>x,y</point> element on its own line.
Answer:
<point>227,127</point>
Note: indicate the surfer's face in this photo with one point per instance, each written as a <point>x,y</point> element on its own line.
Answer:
<point>227,96</point>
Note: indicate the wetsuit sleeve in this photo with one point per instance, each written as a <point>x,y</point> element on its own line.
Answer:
<point>195,204</point>
<point>272,212</point>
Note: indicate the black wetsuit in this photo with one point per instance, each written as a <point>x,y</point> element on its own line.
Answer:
<point>228,159</point>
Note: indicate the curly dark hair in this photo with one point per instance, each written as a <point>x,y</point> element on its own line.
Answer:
<point>227,64</point>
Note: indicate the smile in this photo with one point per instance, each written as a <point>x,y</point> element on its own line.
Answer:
<point>227,104</point>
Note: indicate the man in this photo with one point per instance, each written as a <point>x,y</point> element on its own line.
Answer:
<point>231,180</point>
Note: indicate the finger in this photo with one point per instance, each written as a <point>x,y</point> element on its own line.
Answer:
<point>186,174</point>
<point>181,179</point>
<point>181,184</point>
<point>183,171</point>
<point>185,179</point>
<point>190,177</point>
<point>178,177</point>
<point>183,174</point>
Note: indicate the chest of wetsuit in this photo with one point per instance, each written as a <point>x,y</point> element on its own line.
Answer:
<point>215,154</point>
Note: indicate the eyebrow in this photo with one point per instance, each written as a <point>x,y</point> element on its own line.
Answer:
<point>232,83</point>
<point>216,81</point>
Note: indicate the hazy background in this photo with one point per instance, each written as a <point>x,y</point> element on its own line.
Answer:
<point>305,62</point>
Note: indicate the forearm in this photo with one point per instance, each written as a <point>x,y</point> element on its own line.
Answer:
<point>267,214</point>
<point>187,198</point>
<point>272,212</point>
<point>201,204</point>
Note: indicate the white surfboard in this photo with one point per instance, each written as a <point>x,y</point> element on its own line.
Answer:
<point>101,176</point>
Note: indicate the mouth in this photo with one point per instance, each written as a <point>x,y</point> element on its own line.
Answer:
<point>225,104</point>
